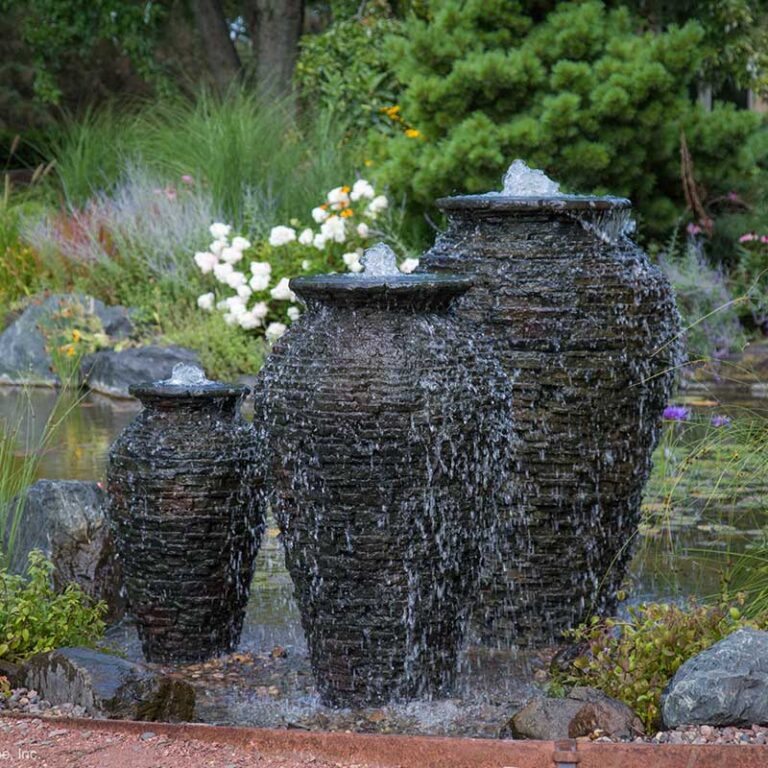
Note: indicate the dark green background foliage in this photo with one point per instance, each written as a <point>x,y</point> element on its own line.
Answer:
<point>583,94</point>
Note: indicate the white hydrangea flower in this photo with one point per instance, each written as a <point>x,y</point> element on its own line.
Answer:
<point>248,321</point>
<point>282,291</point>
<point>334,229</point>
<point>409,265</point>
<point>351,258</point>
<point>338,198</point>
<point>379,204</point>
<point>217,246</point>
<point>235,279</point>
<point>260,310</point>
<point>244,292</point>
<point>356,267</point>
<point>229,318</point>
<point>259,283</point>
<point>221,305</point>
<point>222,271</point>
<point>241,244</point>
<point>306,265</point>
<point>281,235</point>
<point>319,214</point>
<point>205,301</point>
<point>293,313</point>
<point>362,189</point>
<point>362,229</point>
<point>261,268</point>
<point>205,261</point>
<point>319,241</point>
<point>236,305</point>
<point>231,255</point>
<point>306,236</point>
<point>275,331</point>
<point>219,231</point>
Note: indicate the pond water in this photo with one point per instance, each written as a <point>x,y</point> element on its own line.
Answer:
<point>707,500</point>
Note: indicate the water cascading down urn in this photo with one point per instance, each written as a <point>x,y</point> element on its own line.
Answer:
<point>184,484</point>
<point>381,412</point>
<point>588,326</point>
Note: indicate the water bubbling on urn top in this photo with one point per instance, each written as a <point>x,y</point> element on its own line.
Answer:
<point>529,191</point>
<point>380,282</point>
<point>187,381</point>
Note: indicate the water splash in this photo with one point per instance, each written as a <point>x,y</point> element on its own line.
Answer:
<point>522,181</point>
<point>379,261</point>
<point>187,375</point>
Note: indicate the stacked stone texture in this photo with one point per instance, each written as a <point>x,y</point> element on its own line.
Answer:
<point>184,488</point>
<point>587,329</point>
<point>373,407</point>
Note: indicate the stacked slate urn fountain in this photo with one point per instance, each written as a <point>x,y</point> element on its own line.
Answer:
<point>588,326</point>
<point>381,412</point>
<point>184,484</point>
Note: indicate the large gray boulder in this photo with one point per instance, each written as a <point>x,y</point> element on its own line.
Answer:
<point>582,712</point>
<point>65,519</point>
<point>108,686</point>
<point>24,358</point>
<point>725,685</point>
<point>111,372</point>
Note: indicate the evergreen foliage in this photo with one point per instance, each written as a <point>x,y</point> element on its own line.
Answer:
<point>582,93</point>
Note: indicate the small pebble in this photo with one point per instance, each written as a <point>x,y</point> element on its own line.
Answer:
<point>147,735</point>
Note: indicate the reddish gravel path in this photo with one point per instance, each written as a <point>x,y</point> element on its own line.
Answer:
<point>37,744</point>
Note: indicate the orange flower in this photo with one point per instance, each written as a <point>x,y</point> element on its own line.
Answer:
<point>345,189</point>
<point>76,335</point>
<point>68,350</point>
<point>346,213</point>
<point>413,133</point>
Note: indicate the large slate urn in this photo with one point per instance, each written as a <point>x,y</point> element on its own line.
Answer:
<point>184,488</point>
<point>380,416</point>
<point>588,326</point>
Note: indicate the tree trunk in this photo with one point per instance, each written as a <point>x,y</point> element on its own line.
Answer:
<point>223,61</point>
<point>275,27</point>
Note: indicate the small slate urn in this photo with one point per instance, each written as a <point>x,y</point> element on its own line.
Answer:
<point>184,483</point>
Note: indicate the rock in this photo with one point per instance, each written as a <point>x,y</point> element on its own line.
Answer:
<point>24,358</point>
<point>65,519</point>
<point>108,686</point>
<point>545,718</point>
<point>725,685</point>
<point>583,712</point>
<point>614,717</point>
<point>111,372</point>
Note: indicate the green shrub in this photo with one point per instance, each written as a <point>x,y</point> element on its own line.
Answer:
<point>581,94</point>
<point>226,352</point>
<point>633,659</point>
<point>709,311</point>
<point>34,618</point>
<point>345,70</point>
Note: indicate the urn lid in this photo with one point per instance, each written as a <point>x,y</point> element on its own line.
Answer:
<point>187,382</point>
<point>526,190</point>
<point>499,202</point>
<point>381,280</point>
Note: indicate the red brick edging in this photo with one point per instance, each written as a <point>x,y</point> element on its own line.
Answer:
<point>439,752</point>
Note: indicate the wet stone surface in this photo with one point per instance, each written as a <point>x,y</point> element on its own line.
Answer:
<point>584,326</point>
<point>183,483</point>
<point>383,415</point>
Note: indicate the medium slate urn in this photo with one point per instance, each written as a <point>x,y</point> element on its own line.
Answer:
<point>184,487</point>
<point>381,410</point>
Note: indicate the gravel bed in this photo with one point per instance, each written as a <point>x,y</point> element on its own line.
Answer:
<point>28,702</point>
<point>49,745</point>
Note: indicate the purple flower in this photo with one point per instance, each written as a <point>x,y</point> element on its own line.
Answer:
<point>720,420</point>
<point>693,229</point>
<point>676,413</point>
